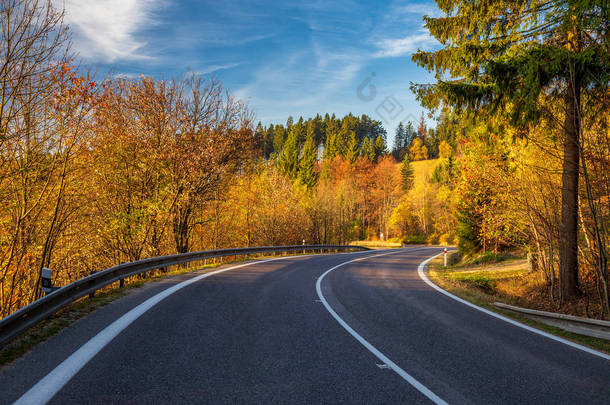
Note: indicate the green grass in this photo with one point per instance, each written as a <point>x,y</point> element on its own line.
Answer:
<point>478,284</point>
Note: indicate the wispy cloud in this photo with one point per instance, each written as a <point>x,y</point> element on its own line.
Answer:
<point>227,39</point>
<point>395,47</point>
<point>126,76</point>
<point>108,29</point>
<point>214,68</point>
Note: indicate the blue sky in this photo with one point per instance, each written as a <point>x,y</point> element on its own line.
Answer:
<point>282,57</point>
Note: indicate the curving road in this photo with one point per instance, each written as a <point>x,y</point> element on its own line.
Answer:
<point>371,331</point>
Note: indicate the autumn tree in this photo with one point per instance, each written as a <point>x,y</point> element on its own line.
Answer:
<point>35,154</point>
<point>418,151</point>
<point>513,58</point>
<point>215,137</point>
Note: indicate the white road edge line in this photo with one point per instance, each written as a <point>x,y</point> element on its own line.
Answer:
<point>424,277</point>
<point>50,385</point>
<point>406,376</point>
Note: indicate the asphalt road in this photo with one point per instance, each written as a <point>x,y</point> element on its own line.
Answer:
<point>261,334</point>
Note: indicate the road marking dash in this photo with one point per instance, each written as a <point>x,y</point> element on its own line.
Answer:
<point>402,373</point>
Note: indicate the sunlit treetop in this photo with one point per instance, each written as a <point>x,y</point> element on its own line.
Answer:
<point>499,53</point>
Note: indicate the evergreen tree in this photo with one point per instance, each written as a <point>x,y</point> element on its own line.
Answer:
<point>259,137</point>
<point>410,134</point>
<point>342,140</point>
<point>314,129</point>
<point>368,149</point>
<point>268,141</point>
<point>508,57</point>
<point>399,141</point>
<point>422,131</point>
<point>307,174</point>
<point>353,148</point>
<point>444,172</point>
<point>331,148</point>
<point>406,174</point>
<point>279,137</point>
<point>432,143</point>
<point>300,132</point>
<point>379,147</point>
<point>288,159</point>
<point>369,128</point>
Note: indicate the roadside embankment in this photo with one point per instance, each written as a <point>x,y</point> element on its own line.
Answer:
<point>508,281</point>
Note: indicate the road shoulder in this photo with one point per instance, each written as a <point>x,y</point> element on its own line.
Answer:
<point>478,296</point>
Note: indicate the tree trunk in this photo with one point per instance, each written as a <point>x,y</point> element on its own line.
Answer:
<point>568,258</point>
<point>181,229</point>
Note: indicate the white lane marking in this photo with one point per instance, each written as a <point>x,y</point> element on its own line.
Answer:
<point>46,388</point>
<point>406,376</point>
<point>424,277</point>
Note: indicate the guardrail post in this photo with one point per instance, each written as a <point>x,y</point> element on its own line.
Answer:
<point>122,281</point>
<point>92,293</point>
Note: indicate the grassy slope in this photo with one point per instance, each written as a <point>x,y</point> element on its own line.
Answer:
<point>422,169</point>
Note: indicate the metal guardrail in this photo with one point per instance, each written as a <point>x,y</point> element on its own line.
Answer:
<point>576,324</point>
<point>27,317</point>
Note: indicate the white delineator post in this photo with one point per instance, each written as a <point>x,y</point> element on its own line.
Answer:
<point>445,256</point>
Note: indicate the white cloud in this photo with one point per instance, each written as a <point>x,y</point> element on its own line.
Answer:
<point>107,30</point>
<point>214,68</point>
<point>126,76</point>
<point>395,47</point>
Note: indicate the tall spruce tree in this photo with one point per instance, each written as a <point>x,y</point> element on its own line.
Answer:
<point>268,141</point>
<point>513,57</point>
<point>368,149</point>
<point>259,137</point>
<point>410,134</point>
<point>353,147</point>
<point>379,147</point>
<point>279,137</point>
<point>400,139</point>
<point>331,149</point>
<point>307,173</point>
<point>422,130</point>
<point>288,158</point>
<point>406,174</point>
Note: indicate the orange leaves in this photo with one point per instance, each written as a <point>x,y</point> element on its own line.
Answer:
<point>71,90</point>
